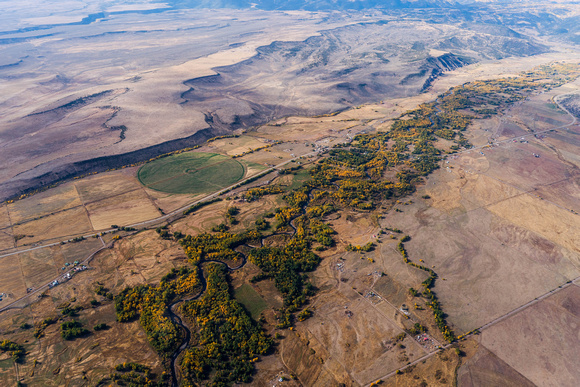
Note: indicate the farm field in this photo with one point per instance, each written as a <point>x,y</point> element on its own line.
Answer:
<point>550,326</point>
<point>191,173</point>
<point>4,217</point>
<point>486,369</point>
<point>234,146</point>
<point>63,225</point>
<point>129,208</point>
<point>6,239</point>
<point>106,185</point>
<point>45,203</point>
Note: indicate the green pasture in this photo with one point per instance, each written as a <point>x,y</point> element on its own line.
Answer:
<point>191,173</point>
<point>251,300</point>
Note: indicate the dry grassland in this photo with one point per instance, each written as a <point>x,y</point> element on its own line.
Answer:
<point>541,342</point>
<point>233,146</point>
<point>44,203</point>
<point>32,269</point>
<point>209,216</point>
<point>106,185</point>
<point>566,143</point>
<point>486,265</point>
<point>269,370</point>
<point>252,168</point>
<point>201,220</point>
<point>439,370</point>
<point>85,359</point>
<point>358,348</point>
<point>170,202</point>
<point>62,224</point>
<point>539,216</point>
<point>481,190</point>
<point>6,239</point>
<point>11,281</point>
<point>565,194</point>
<point>479,231</point>
<point>363,343</point>
<point>307,366</point>
<point>146,89</point>
<point>516,164</point>
<point>124,209</point>
<point>486,369</point>
<point>355,228</point>
<point>539,113</point>
<point>4,217</point>
<point>148,257</point>
<point>38,267</point>
<point>78,251</point>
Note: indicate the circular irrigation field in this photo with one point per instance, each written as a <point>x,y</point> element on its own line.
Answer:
<point>191,173</point>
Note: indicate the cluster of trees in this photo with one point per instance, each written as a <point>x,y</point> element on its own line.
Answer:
<point>71,311</point>
<point>286,266</point>
<point>417,329</point>
<point>165,234</point>
<point>150,304</point>
<point>216,247</point>
<point>351,176</point>
<point>291,170</point>
<point>70,330</point>
<point>322,232</point>
<point>101,327</point>
<point>135,374</point>
<point>557,74</point>
<point>227,342</point>
<point>39,330</point>
<point>222,137</point>
<point>256,193</point>
<point>320,211</point>
<point>367,247</point>
<point>128,366</point>
<point>104,292</point>
<point>15,350</point>
<point>284,215</point>
<point>433,302</point>
<point>410,142</point>
<point>122,228</point>
<point>231,213</point>
<point>261,224</point>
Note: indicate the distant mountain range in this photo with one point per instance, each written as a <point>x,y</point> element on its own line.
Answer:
<point>311,5</point>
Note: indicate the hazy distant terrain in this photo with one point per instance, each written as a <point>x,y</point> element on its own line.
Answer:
<point>128,56</point>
